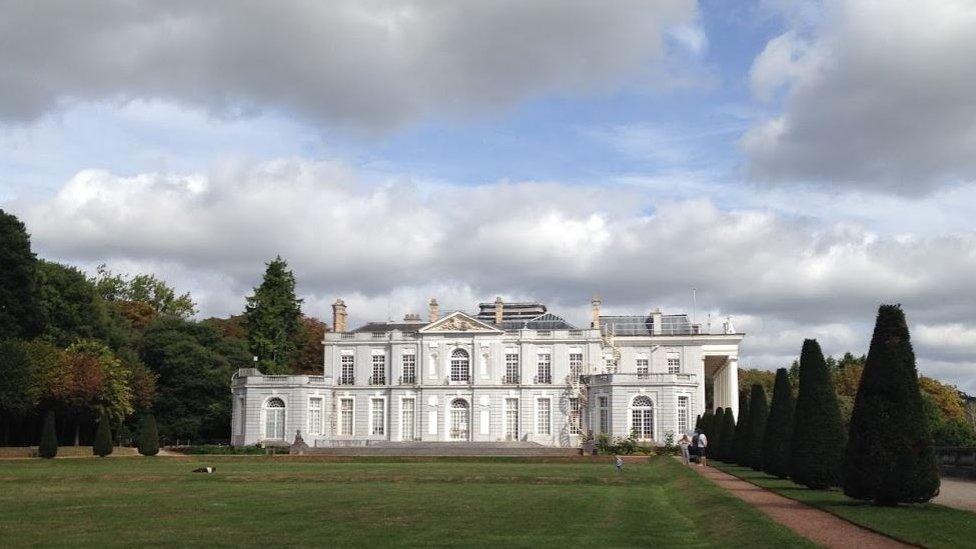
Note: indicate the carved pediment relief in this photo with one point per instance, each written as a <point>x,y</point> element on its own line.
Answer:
<point>459,322</point>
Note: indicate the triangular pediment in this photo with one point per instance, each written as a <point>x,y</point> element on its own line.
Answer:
<point>458,322</point>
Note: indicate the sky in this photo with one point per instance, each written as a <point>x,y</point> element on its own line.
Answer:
<point>792,164</point>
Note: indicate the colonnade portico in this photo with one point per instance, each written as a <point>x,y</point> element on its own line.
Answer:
<point>722,366</point>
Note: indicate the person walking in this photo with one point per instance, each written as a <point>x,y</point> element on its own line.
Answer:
<point>619,463</point>
<point>702,449</point>
<point>683,443</point>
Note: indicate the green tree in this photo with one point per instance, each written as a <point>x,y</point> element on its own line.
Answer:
<point>758,413</point>
<point>103,436</point>
<point>706,423</point>
<point>146,289</point>
<point>727,437</point>
<point>48,448</point>
<point>715,437</point>
<point>272,319</point>
<point>817,448</point>
<point>779,428</point>
<point>21,315</point>
<point>19,386</point>
<point>890,458</point>
<point>740,441</point>
<point>72,306</point>
<point>148,436</point>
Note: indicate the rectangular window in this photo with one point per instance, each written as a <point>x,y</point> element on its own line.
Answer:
<point>409,369</point>
<point>511,419</point>
<point>242,417</point>
<point>315,416</point>
<point>347,375</point>
<point>345,416</point>
<point>682,414</point>
<point>575,366</point>
<point>543,416</point>
<point>407,419</point>
<point>545,369</point>
<point>604,405</point>
<point>511,368</point>
<point>574,416</point>
<point>674,363</point>
<point>379,370</point>
<point>377,416</point>
<point>643,369</point>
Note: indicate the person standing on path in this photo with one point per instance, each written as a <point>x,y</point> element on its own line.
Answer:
<point>619,463</point>
<point>702,448</point>
<point>683,444</point>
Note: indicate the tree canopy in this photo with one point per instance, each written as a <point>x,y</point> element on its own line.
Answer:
<point>21,315</point>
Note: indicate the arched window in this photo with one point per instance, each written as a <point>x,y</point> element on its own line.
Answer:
<point>274,419</point>
<point>460,365</point>
<point>459,419</point>
<point>642,417</point>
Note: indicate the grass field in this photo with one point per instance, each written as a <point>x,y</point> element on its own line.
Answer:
<point>926,524</point>
<point>300,501</point>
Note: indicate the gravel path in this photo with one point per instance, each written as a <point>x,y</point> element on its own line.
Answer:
<point>958,493</point>
<point>814,524</point>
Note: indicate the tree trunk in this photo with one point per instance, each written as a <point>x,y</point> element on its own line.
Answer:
<point>77,430</point>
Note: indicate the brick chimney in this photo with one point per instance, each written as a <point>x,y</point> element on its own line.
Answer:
<point>434,310</point>
<point>595,314</point>
<point>339,316</point>
<point>499,311</point>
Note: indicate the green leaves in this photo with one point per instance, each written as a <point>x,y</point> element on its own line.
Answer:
<point>272,319</point>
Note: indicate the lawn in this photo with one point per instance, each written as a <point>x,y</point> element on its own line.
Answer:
<point>303,501</point>
<point>928,524</point>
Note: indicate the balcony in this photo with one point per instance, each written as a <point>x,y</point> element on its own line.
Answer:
<point>410,379</point>
<point>655,378</point>
<point>252,380</point>
<point>347,380</point>
<point>510,380</point>
<point>544,379</point>
<point>458,381</point>
<point>377,380</point>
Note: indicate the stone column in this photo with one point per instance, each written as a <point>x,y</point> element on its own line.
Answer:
<point>732,380</point>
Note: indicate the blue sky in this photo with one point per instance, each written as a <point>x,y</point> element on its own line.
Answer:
<point>798,162</point>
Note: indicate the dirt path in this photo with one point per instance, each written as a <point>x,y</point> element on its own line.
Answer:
<point>814,524</point>
<point>958,493</point>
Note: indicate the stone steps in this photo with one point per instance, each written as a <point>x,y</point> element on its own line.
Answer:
<point>508,449</point>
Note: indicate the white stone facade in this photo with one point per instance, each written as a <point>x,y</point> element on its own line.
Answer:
<point>496,376</point>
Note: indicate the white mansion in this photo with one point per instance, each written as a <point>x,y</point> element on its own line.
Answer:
<point>513,371</point>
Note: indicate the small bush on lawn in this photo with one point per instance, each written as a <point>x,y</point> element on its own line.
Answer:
<point>148,436</point>
<point>49,438</point>
<point>103,437</point>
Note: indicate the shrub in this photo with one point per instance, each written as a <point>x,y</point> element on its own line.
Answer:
<point>758,413</point>
<point>103,437</point>
<point>890,458</point>
<point>49,438</point>
<point>724,452</point>
<point>148,436</point>
<point>817,448</point>
<point>740,439</point>
<point>715,435</point>
<point>779,428</point>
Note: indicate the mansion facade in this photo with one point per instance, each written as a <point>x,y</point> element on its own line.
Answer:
<point>511,372</point>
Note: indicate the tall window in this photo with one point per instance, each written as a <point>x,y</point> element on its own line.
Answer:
<point>409,369</point>
<point>643,370</point>
<point>682,414</point>
<point>315,416</point>
<point>242,417</point>
<point>674,363</point>
<point>575,366</point>
<point>511,419</point>
<point>377,416</point>
<point>543,416</point>
<point>511,368</point>
<point>604,405</point>
<point>345,416</point>
<point>642,417</point>
<point>274,419</point>
<point>379,370</point>
<point>459,420</point>
<point>545,369</point>
<point>460,363</point>
<point>574,416</point>
<point>347,375</point>
<point>407,419</point>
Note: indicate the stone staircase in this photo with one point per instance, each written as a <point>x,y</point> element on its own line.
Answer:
<point>507,449</point>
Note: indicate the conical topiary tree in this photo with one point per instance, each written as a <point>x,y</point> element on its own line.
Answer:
<point>728,434</point>
<point>758,413</point>
<point>103,437</point>
<point>715,436</point>
<point>779,428</point>
<point>890,458</point>
<point>741,430</point>
<point>148,436</point>
<point>817,448</point>
<point>706,422</point>
<point>48,447</point>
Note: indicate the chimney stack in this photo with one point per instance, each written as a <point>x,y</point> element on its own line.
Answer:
<point>499,310</point>
<point>339,316</point>
<point>595,319</point>
<point>658,320</point>
<point>434,311</point>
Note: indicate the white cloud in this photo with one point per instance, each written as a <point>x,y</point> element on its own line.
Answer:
<point>880,96</point>
<point>368,65</point>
